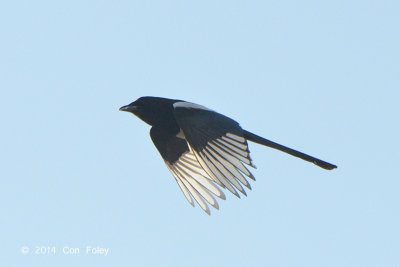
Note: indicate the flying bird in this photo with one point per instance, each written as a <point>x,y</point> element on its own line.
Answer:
<point>204,150</point>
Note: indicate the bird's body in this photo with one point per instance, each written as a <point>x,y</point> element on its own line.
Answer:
<point>203,148</point>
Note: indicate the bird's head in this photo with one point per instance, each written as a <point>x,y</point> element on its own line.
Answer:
<point>151,110</point>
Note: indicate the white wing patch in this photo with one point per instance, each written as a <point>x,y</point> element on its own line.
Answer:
<point>219,162</point>
<point>195,182</point>
<point>190,105</point>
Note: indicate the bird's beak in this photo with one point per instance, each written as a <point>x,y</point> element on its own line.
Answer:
<point>128,108</point>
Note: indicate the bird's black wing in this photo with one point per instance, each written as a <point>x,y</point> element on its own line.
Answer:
<point>187,171</point>
<point>218,144</point>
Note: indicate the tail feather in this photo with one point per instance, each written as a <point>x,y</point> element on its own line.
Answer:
<point>262,141</point>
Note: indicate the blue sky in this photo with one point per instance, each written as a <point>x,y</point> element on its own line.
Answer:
<point>316,76</point>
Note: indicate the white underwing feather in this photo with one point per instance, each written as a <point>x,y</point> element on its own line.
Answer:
<point>230,167</point>
<point>222,169</point>
<point>196,186</point>
<point>240,155</point>
<point>204,181</point>
<point>181,185</point>
<point>233,148</point>
<point>206,169</point>
<point>240,139</point>
<point>241,146</point>
<point>233,160</point>
<point>196,196</point>
<point>214,172</point>
<point>213,160</point>
<point>195,182</point>
<point>194,165</point>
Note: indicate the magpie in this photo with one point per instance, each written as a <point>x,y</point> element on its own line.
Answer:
<point>204,150</point>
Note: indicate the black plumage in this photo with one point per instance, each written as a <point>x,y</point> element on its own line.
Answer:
<point>203,148</point>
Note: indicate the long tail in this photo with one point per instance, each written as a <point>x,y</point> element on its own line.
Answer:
<point>262,141</point>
